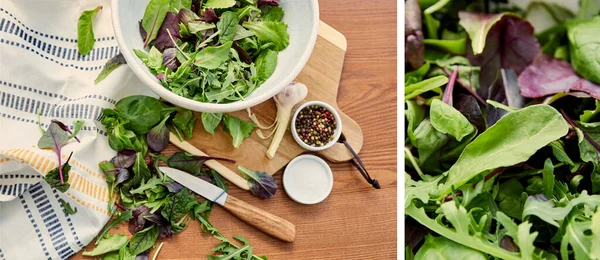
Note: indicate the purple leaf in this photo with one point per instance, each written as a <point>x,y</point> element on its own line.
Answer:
<point>123,175</point>
<point>210,16</point>
<point>138,221</point>
<point>143,256</point>
<point>511,89</point>
<point>468,106</point>
<point>191,164</point>
<point>261,184</point>
<point>509,44</point>
<point>169,28</point>
<point>55,138</point>
<point>143,32</point>
<point>507,244</point>
<point>413,35</point>
<point>64,127</point>
<point>124,159</point>
<point>186,16</point>
<point>493,114</point>
<point>547,76</point>
<point>242,53</point>
<point>165,231</point>
<point>160,76</point>
<point>269,2</point>
<point>173,186</point>
<point>158,137</point>
<point>170,59</point>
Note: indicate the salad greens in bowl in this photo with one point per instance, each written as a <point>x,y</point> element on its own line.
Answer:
<point>216,55</point>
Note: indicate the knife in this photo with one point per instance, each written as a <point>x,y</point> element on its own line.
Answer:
<point>266,222</point>
<point>215,165</point>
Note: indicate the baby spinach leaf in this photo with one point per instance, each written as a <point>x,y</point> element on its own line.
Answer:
<point>261,184</point>
<point>419,88</point>
<point>447,120</point>
<point>184,121</point>
<point>436,247</point>
<point>143,240</point>
<point>227,26</point>
<point>428,140</point>
<point>108,244</point>
<point>85,31</point>
<point>154,15</point>
<point>141,112</point>
<point>219,4</point>
<point>414,115</point>
<point>510,198</point>
<point>585,49</point>
<point>496,147</point>
<point>213,57</point>
<point>140,171</point>
<point>210,121</point>
<point>547,76</point>
<point>266,62</point>
<point>270,32</point>
<point>238,129</point>
<point>67,209</point>
<point>110,65</point>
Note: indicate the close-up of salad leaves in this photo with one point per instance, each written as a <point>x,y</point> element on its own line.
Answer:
<point>502,126</point>
<point>212,51</point>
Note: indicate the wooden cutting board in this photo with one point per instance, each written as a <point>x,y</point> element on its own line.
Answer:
<point>321,75</point>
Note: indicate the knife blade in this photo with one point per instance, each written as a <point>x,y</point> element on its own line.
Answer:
<point>266,222</point>
<point>197,185</point>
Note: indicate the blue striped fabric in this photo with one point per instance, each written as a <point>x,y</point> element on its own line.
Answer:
<point>55,95</point>
<point>69,222</point>
<point>35,225</point>
<point>44,125</point>
<point>13,189</point>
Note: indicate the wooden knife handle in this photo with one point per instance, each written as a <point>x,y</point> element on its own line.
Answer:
<point>260,219</point>
<point>215,165</point>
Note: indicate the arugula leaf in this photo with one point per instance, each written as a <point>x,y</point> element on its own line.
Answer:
<point>85,31</point>
<point>584,49</point>
<point>270,32</point>
<point>143,240</point>
<point>108,244</point>
<point>447,120</point>
<point>578,238</point>
<point>213,57</point>
<point>153,18</point>
<point>551,212</point>
<point>494,147</point>
<point>436,247</point>
<point>227,26</point>
<point>589,151</point>
<point>122,218</point>
<point>149,185</point>
<point>238,129</point>
<point>177,208</point>
<point>421,190</point>
<point>67,209</point>
<point>110,65</point>
<point>219,4</point>
<point>595,228</point>
<point>210,121</point>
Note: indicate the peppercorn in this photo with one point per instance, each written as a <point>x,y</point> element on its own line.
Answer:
<point>315,125</point>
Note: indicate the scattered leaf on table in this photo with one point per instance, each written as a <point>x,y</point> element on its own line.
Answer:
<point>85,31</point>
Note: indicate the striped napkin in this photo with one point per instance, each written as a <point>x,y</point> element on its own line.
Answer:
<point>41,72</point>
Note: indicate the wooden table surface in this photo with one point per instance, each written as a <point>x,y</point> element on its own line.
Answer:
<point>356,221</point>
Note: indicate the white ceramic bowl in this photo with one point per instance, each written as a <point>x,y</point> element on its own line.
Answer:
<point>301,16</point>
<point>336,133</point>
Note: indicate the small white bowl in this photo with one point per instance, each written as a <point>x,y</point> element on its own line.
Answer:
<point>336,133</point>
<point>301,16</point>
<point>307,179</point>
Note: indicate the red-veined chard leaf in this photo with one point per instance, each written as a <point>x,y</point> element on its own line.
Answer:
<point>261,184</point>
<point>124,159</point>
<point>85,31</point>
<point>143,240</point>
<point>506,143</point>
<point>191,163</point>
<point>547,76</point>
<point>168,33</point>
<point>57,176</point>
<point>154,15</point>
<point>210,16</point>
<point>498,41</point>
<point>55,138</point>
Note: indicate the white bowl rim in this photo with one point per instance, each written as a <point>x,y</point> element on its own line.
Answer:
<point>327,170</point>
<point>336,135</point>
<point>210,107</point>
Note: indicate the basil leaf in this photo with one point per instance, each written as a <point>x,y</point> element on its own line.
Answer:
<point>448,120</point>
<point>585,49</point>
<point>270,32</point>
<point>266,63</point>
<point>218,4</point>
<point>227,26</point>
<point>210,121</point>
<point>143,240</point>
<point>213,57</point>
<point>108,244</point>
<point>238,129</point>
<point>85,31</point>
<point>526,130</point>
<point>154,15</point>
<point>110,65</point>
